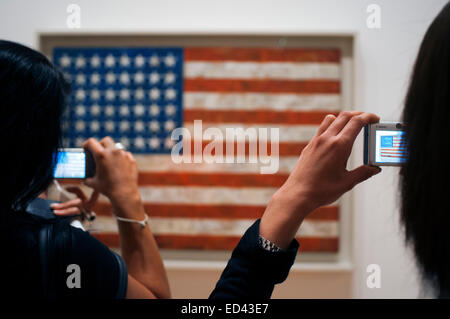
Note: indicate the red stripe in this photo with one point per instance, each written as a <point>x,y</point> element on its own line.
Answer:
<point>327,213</point>
<point>392,156</point>
<point>392,151</point>
<point>212,242</point>
<point>284,148</point>
<point>261,86</point>
<point>256,116</point>
<point>309,244</point>
<point>261,55</point>
<point>214,179</point>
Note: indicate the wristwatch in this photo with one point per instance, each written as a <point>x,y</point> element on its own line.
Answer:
<point>267,245</point>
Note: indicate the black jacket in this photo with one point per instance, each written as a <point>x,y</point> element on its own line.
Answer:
<point>38,249</point>
<point>252,272</point>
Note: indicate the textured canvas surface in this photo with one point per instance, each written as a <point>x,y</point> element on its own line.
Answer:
<point>140,95</point>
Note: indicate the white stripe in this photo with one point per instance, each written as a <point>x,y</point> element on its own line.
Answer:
<point>287,133</point>
<point>219,227</point>
<point>164,163</point>
<point>261,101</point>
<point>202,195</point>
<point>207,195</point>
<point>262,71</point>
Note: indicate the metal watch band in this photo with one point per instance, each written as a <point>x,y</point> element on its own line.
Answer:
<point>268,245</point>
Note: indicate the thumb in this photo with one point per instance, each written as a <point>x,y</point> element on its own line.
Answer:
<point>362,173</point>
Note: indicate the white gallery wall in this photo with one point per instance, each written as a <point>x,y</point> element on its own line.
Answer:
<point>382,64</point>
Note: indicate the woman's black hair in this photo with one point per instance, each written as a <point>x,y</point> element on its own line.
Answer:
<point>425,178</point>
<point>33,95</point>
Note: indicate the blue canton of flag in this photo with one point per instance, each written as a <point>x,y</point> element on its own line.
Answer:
<point>133,95</point>
<point>387,141</point>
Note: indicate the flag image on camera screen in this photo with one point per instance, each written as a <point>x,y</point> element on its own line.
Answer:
<point>70,165</point>
<point>390,147</point>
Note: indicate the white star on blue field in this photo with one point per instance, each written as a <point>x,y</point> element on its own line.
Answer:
<point>133,95</point>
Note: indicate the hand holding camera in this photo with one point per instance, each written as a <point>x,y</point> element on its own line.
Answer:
<point>319,177</point>
<point>116,175</point>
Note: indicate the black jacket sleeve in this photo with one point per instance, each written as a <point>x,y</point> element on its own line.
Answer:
<point>252,271</point>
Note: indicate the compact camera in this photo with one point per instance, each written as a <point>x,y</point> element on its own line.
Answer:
<point>75,163</point>
<point>384,144</point>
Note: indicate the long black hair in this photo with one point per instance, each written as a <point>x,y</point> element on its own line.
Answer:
<point>33,95</point>
<point>425,178</point>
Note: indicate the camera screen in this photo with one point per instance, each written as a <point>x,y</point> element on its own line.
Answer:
<point>70,165</point>
<point>390,147</point>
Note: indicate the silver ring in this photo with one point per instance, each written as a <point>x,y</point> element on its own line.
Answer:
<point>120,146</point>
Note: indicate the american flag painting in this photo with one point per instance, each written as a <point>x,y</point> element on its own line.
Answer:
<point>140,95</point>
<point>392,146</point>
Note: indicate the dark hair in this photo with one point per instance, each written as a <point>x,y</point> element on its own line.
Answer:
<point>425,178</point>
<point>32,99</point>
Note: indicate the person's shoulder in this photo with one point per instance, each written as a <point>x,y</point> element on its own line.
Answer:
<point>103,271</point>
<point>84,245</point>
